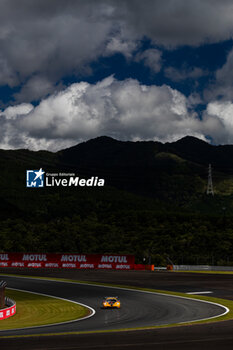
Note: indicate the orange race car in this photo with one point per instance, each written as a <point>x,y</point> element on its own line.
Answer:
<point>111,302</point>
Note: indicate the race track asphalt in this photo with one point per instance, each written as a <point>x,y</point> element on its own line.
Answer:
<point>139,309</point>
<point>213,336</point>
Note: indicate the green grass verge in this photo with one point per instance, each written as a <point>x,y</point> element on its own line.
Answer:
<point>36,310</point>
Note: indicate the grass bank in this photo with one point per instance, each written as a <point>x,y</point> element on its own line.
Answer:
<point>37,310</point>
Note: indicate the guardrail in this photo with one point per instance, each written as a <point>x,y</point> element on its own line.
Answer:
<point>10,309</point>
<point>202,268</point>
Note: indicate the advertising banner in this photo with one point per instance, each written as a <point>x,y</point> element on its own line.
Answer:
<point>5,313</point>
<point>76,261</point>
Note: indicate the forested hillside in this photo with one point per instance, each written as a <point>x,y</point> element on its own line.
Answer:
<point>154,201</point>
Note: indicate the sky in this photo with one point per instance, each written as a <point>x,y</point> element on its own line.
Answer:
<point>72,70</point>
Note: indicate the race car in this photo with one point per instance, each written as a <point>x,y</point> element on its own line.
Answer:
<point>111,302</point>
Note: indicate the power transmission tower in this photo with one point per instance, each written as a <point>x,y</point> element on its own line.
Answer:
<point>210,189</point>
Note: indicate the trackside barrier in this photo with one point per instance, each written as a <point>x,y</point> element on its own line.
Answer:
<point>143,267</point>
<point>72,261</point>
<point>68,261</point>
<point>10,309</point>
<point>139,267</point>
<point>160,268</point>
<point>202,268</point>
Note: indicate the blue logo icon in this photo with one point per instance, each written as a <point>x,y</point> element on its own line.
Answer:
<point>35,178</point>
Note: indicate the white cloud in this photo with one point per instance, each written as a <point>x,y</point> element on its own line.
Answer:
<point>223,110</point>
<point>151,59</point>
<point>119,45</point>
<point>49,39</point>
<point>181,22</point>
<point>218,121</point>
<point>125,110</point>
<point>222,86</point>
<point>56,38</point>
<point>193,100</point>
<point>36,88</point>
<point>13,112</point>
<point>184,73</point>
<point>7,74</point>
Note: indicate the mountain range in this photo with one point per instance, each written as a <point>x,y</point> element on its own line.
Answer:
<point>154,200</point>
<point>176,171</point>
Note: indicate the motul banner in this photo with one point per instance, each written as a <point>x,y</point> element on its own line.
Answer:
<point>76,261</point>
<point>8,312</point>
